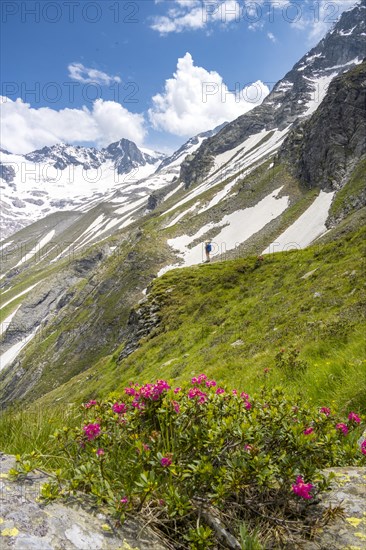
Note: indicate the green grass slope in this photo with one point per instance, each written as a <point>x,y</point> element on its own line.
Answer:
<point>294,318</point>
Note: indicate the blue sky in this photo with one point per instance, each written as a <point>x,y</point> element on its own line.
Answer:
<point>156,72</point>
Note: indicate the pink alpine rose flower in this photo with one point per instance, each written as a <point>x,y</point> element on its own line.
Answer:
<point>165,462</point>
<point>353,417</point>
<point>325,410</point>
<point>363,447</point>
<point>90,404</point>
<point>308,431</point>
<point>343,427</point>
<point>302,489</point>
<point>92,431</point>
<point>119,408</point>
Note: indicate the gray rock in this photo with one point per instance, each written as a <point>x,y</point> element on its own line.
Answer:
<point>237,344</point>
<point>309,274</point>
<point>27,523</point>
<point>348,490</point>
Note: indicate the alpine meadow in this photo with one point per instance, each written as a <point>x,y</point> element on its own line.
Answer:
<point>182,361</point>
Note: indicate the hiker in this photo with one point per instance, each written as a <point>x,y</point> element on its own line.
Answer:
<point>208,248</point>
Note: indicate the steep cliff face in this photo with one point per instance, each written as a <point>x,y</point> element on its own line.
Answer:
<point>323,151</point>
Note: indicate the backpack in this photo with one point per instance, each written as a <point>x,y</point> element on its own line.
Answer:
<point>208,247</point>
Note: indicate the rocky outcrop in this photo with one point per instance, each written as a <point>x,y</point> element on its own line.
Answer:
<point>155,199</point>
<point>7,172</point>
<point>27,523</point>
<point>142,321</point>
<point>322,151</point>
<point>348,528</point>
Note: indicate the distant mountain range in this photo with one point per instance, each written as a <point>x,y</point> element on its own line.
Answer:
<point>66,177</point>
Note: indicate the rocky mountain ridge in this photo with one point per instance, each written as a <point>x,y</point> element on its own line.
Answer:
<point>297,95</point>
<point>65,177</point>
<point>321,151</point>
<point>124,154</point>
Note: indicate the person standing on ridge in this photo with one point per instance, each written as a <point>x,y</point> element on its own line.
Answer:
<point>208,249</point>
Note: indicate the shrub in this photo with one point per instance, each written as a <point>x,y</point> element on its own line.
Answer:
<point>288,361</point>
<point>184,455</point>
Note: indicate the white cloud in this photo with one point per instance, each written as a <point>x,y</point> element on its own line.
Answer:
<point>196,14</point>
<point>272,37</point>
<point>25,128</point>
<point>195,100</point>
<point>313,17</point>
<point>318,21</point>
<point>86,75</point>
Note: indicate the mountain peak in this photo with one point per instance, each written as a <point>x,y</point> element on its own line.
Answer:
<point>124,154</point>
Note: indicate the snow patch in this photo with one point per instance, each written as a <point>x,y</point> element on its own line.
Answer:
<point>4,325</point>
<point>236,228</point>
<point>37,248</point>
<point>20,294</point>
<point>8,356</point>
<point>348,33</point>
<point>320,87</point>
<point>309,226</point>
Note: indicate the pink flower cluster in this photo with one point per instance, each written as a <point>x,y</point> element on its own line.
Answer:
<point>119,408</point>
<point>196,393</point>
<point>342,427</point>
<point>245,398</point>
<point>363,447</point>
<point>148,392</point>
<point>302,489</point>
<point>176,406</point>
<point>353,417</point>
<point>90,404</point>
<point>166,462</point>
<point>197,380</point>
<point>325,410</point>
<point>308,431</point>
<point>202,379</point>
<point>92,431</point>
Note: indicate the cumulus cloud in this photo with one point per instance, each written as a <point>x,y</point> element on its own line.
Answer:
<point>25,128</point>
<point>195,100</point>
<point>272,37</point>
<point>86,75</point>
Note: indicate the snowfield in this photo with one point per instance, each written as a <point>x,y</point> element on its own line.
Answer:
<point>309,226</point>
<point>235,229</point>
